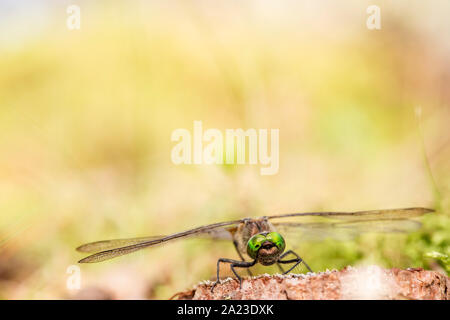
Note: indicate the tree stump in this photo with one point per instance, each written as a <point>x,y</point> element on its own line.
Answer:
<point>370,282</point>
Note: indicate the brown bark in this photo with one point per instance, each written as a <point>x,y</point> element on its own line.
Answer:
<point>350,283</point>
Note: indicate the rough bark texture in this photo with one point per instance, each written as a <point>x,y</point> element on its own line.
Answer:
<point>350,283</point>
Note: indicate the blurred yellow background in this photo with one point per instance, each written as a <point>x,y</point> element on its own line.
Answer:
<point>86,118</point>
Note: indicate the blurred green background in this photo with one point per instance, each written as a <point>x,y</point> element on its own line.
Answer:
<point>86,118</point>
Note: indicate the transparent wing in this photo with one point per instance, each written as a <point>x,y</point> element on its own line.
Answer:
<point>388,214</point>
<point>348,225</point>
<point>344,231</point>
<point>218,234</point>
<point>120,247</point>
<point>114,243</point>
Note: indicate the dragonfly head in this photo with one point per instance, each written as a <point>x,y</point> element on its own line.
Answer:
<point>266,247</point>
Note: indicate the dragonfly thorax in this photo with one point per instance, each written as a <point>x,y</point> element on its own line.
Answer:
<point>266,247</point>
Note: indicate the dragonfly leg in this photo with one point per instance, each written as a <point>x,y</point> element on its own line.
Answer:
<point>280,267</point>
<point>242,258</point>
<point>233,264</point>
<point>297,261</point>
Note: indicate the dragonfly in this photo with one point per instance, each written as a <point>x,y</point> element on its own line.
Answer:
<point>261,239</point>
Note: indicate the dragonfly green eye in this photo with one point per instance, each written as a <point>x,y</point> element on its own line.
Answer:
<point>277,239</point>
<point>256,242</point>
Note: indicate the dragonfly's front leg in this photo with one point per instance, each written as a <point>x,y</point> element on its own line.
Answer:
<point>281,268</point>
<point>234,264</point>
<point>297,261</point>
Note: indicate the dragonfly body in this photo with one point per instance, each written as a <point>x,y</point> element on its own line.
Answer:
<point>261,238</point>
